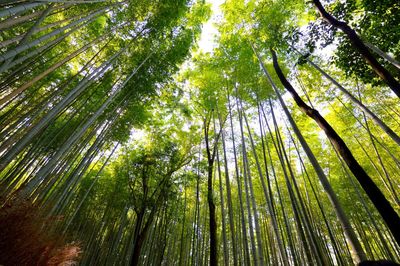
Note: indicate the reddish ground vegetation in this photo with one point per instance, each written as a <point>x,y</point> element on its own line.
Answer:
<point>26,237</point>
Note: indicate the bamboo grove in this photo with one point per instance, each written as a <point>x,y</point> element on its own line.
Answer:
<point>123,143</point>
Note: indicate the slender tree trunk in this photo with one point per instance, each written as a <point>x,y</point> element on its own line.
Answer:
<point>18,9</point>
<point>229,196</point>
<point>221,197</point>
<point>240,191</point>
<point>181,261</point>
<point>338,254</point>
<point>14,21</point>
<point>195,236</point>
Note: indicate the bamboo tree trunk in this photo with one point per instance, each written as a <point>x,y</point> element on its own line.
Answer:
<point>249,213</point>
<point>40,50</point>
<point>8,23</point>
<point>221,197</point>
<point>181,261</point>
<point>240,191</point>
<point>392,189</point>
<point>229,196</point>
<point>12,11</point>
<point>374,222</point>
<point>246,190</point>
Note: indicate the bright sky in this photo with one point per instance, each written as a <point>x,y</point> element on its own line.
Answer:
<point>207,42</point>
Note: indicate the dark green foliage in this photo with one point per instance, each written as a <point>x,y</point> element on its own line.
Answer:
<point>377,23</point>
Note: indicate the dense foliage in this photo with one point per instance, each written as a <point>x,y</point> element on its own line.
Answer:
<point>123,143</point>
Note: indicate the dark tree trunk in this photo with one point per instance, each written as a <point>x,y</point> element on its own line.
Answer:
<point>359,45</point>
<point>213,223</point>
<point>387,212</point>
<point>210,198</point>
<point>141,234</point>
<point>137,249</point>
<point>137,238</point>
